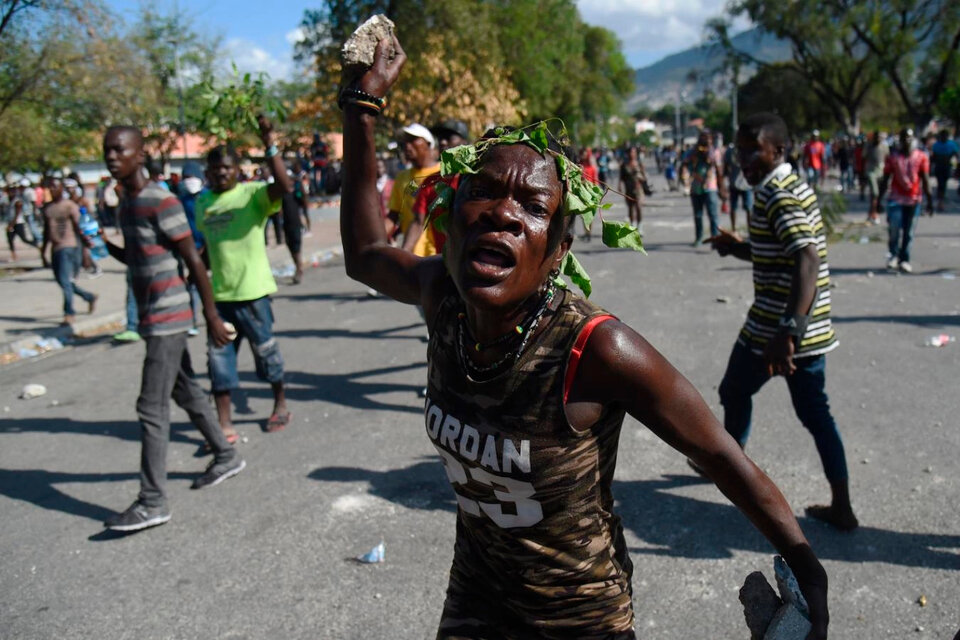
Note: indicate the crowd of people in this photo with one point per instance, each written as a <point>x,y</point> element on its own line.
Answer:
<point>528,383</point>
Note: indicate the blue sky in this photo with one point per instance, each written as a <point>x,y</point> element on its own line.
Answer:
<point>259,35</point>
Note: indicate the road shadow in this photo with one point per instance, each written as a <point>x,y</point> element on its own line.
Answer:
<point>679,526</point>
<point>38,487</point>
<point>675,525</point>
<point>346,389</point>
<point>422,486</point>
<point>881,270</point>
<point>121,429</point>
<point>329,297</point>
<point>919,321</point>
<point>377,334</point>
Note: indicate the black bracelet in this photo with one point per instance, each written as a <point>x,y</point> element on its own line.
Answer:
<point>350,94</point>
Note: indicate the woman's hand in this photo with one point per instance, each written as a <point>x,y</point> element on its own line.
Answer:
<point>384,73</point>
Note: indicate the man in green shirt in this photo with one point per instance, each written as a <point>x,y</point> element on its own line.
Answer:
<point>232,218</point>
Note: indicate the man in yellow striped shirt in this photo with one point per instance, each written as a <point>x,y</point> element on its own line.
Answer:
<point>787,331</point>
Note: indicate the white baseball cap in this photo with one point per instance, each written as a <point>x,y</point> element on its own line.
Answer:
<point>417,130</point>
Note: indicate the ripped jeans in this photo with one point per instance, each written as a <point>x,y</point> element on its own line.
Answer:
<point>253,320</point>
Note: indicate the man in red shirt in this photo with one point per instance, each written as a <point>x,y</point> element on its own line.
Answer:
<point>814,159</point>
<point>906,171</point>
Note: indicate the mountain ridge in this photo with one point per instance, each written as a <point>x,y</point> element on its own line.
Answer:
<point>659,83</point>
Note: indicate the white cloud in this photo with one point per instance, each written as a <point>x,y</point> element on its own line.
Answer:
<point>250,57</point>
<point>650,29</point>
<point>294,36</point>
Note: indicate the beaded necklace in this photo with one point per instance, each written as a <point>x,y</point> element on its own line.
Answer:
<point>521,332</point>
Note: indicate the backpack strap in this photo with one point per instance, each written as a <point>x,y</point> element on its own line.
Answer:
<point>577,351</point>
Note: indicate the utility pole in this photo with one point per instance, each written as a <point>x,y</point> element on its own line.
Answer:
<point>734,117</point>
<point>182,127</point>
<point>677,134</point>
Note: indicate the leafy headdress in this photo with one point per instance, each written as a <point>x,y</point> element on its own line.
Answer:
<point>580,196</point>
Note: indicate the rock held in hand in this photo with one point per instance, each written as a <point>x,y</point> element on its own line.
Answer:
<point>760,604</point>
<point>357,52</point>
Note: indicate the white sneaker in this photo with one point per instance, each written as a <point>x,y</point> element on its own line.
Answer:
<point>893,263</point>
<point>905,267</point>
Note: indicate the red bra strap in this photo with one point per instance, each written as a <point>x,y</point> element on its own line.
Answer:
<point>577,351</point>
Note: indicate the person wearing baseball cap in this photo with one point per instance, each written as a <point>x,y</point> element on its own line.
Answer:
<point>451,133</point>
<point>418,146</point>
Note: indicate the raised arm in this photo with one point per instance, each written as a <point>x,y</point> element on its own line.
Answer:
<point>367,255</point>
<point>620,368</point>
<point>281,181</point>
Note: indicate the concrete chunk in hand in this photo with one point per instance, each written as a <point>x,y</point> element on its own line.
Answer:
<point>357,52</point>
<point>770,617</point>
<point>760,604</point>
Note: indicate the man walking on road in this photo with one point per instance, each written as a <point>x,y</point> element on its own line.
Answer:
<point>232,217</point>
<point>61,230</point>
<point>788,328</point>
<point>943,152</point>
<point>877,152</point>
<point>705,166</point>
<point>814,159</point>
<point>156,237</point>
<point>906,171</point>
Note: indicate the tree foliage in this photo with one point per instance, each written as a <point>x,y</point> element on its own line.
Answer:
<point>837,68</point>
<point>916,44</point>
<point>845,49</point>
<point>484,62</point>
<point>781,89</point>
<point>69,68</point>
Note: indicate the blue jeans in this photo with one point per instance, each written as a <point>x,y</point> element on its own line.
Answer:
<point>253,320</point>
<point>711,201</point>
<point>737,194</point>
<point>901,222</point>
<point>66,265</point>
<point>746,374</point>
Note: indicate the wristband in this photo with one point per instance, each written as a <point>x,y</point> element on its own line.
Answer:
<point>271,151</point>
<point>370,107</point>
<point>355,95</point>
<point>794,325</point>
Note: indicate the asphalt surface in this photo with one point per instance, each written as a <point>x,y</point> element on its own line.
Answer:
<point>271,552</point>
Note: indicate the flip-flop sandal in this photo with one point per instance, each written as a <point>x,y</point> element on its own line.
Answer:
<point>278,422</point>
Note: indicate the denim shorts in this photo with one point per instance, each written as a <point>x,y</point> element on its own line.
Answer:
<point>253,320</point>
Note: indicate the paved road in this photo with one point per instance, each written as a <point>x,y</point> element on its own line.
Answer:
<point>269,554</point>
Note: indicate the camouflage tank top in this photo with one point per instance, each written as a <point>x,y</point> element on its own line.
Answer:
<point>539,552</point>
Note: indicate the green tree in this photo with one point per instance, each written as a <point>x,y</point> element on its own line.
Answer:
<point>64,72</point>
<point>827,53</point>
<point>482,61</point>
<point>915,44</point>
<point>161,41</point>
<point>781,89</point>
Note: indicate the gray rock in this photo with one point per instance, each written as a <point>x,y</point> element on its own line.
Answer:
<point>788,586</point>
<point>788,624</point>
<point>357,52</point>
<point>760,604</point>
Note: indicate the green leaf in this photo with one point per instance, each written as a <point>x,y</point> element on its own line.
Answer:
<point>457,160</point>
<point>572,204</point>
<point>539,137</point>
<point>572,268</point>
<point>621,235</point>
<point>587,216</point>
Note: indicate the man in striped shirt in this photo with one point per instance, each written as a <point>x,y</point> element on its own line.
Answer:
<point>788,330</point>
<point>156,237</point>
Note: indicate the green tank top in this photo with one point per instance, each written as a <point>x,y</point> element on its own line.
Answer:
<point>539,551</point>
